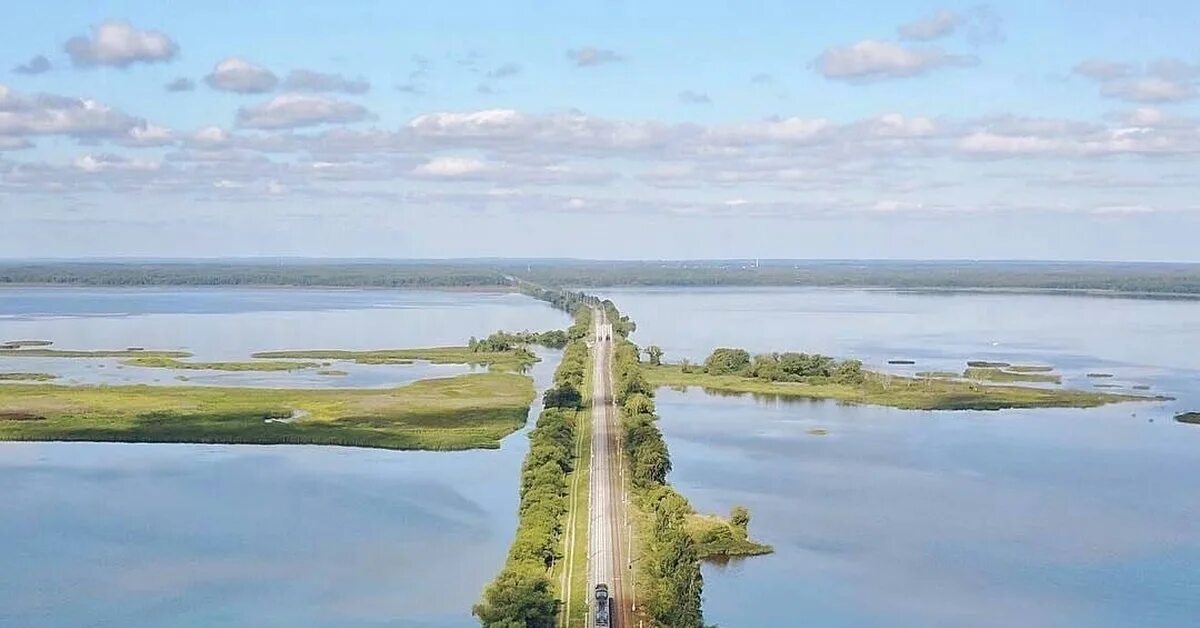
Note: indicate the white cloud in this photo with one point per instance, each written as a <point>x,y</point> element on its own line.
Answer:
<point>108,162</point>
<point>310,81</point>
<point>119,44</point>
<point>47,114</point>
<point>149,135</point>
<point>288,111</point>
<point>691,97</point>
<point>1163,81</point>
<point>235,74</point>
<point>873,59</point>
<point>939,24</point>
<point>1149,89</point>
<point>450,167</point>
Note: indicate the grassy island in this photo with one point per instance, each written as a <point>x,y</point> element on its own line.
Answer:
<point>260,365</point>
<point>99,353</point>
<point>464,412</point>
<point>27,377</point>
<point>893,391</point>
<point>1188,417</point>
<point>507,360</point>
<point>717,537</point>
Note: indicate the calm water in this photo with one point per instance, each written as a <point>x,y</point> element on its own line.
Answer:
<point>897,518</point>
<point>232,323</point>
<point>98,534</point>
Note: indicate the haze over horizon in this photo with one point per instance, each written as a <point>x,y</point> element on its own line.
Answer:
<point>601,130</point>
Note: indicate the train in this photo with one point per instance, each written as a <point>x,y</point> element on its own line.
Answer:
<point>603,606</point>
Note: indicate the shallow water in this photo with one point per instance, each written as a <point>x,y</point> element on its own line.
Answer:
<point>231,323</point>
<point>898,518</point>
<point>201,535</point>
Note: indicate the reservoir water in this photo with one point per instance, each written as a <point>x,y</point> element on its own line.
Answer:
<point>891,518</point>
<point>106,534</point>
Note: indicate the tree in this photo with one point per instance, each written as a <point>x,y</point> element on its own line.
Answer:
<point>739,518</point>
<point>562,396</point>
<point>654,354</point>
<point>518,598</point>
<point>727,361</point>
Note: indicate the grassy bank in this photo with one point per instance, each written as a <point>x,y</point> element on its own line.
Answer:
<point>513,360</point>
<point>260,365</point>
<point>524,593</point>
<point>469,411</point>
<point>27,377</point>
<point>1010,374</point>
<point>720,537</point>
<point>893,391</point>
<point>101,353</point>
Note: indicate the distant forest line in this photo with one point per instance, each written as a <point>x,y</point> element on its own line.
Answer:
<point>1131,278</point>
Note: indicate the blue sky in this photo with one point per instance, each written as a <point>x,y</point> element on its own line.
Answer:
<point>1043,130</point>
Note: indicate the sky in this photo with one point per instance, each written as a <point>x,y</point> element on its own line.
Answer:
<point>1059,130</point>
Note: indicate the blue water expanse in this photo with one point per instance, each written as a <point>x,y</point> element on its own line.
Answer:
<point>148,535</point>
<point>232,323</point>
<point>1032,518</point>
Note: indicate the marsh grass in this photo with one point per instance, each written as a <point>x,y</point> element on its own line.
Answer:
<point>101,353</point>
<point>515,360</point>
<point>261,365</point>
<point>1010,374</point>
<point>27,377</point>
<point>464,412</point>
<point>895,391</point>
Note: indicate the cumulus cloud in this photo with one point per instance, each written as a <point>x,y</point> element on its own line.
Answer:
<point>1101,70</point>
<point>148,135</point>
<point>504,71</point>
<point>37,65</point>
<point>690,97</point>
<point>589,56</point>
<point>288,111</point>
<point>235,74</point>
<point>872,59</point>
<point>937,25</point>
<point>1163,81</point>
<point>1149,89</point>
<point>310,81</point>
<point>48,114</point>
<point>181,84</point>
<point>120,44</point>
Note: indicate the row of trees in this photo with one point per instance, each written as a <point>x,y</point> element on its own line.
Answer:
<point>783,367</point>
<point>508,340</point>
<point>522,595</point>
<point>672,583</point>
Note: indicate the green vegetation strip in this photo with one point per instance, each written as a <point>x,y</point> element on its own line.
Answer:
<point>27,377</point>
<point>1010,374</point>
<point>894,391</point>
<point>523,593</point>
<point>1188,417</point>
<point>262,365</point>
<point>508,360</point>
<point>102,353</point>
<point>469,411</point>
